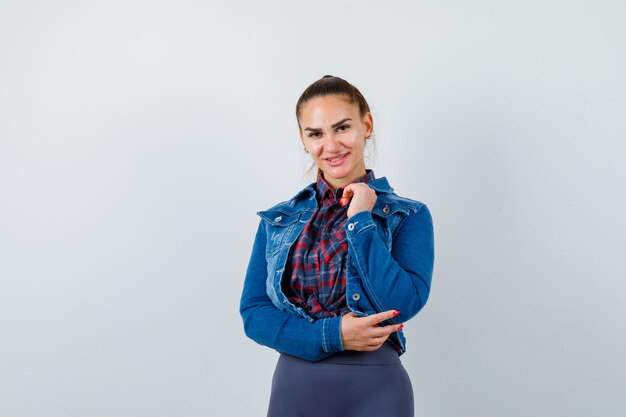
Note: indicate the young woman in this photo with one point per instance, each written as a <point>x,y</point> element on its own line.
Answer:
<point>335,271</point>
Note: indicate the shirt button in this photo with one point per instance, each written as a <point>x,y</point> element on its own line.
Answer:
<point>386,209</point>
<point>350,226</point>
<point>356,296</point>
<point>279,218</point>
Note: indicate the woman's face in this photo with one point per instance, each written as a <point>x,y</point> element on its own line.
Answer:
<point>334,133</point>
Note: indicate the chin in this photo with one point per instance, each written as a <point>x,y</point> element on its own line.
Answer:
<point>339,170</point>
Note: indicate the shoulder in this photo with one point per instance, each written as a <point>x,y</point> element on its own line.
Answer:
<point>388,201</point>
<point>406,204</point>
<point>408,219</point>
<point>286,211</point>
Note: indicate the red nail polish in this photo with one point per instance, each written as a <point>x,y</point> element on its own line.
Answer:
<point>396,312</point>
<point>401,326</point>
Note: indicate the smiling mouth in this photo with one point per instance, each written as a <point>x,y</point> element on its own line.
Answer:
<point>337,158</point>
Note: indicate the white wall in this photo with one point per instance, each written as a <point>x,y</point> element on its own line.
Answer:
<point>139,138</point>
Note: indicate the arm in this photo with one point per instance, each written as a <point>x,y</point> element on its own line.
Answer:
<point>399,279</point>
<point>282,331</point>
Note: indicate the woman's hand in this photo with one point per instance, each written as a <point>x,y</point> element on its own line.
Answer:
<point>363,198</point>
<point>363,333</point>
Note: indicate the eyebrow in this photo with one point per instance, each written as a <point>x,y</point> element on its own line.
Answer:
<point>334,125</point>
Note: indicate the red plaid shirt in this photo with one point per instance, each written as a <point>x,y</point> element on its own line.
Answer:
<point>315,273</point>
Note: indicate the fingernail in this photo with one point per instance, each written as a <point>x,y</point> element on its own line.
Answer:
<point>396,312</point>
<point>401,326</point>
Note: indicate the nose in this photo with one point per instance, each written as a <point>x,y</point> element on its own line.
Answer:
<point>332,144</point>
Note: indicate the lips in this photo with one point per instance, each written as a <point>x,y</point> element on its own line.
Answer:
<point>337,158</point>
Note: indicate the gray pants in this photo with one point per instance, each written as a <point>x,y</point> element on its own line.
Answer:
<point>346,384</point>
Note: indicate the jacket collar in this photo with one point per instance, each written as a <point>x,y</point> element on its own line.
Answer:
<point>381,185</point>
<point>305,201</point>
<point>323,188</point>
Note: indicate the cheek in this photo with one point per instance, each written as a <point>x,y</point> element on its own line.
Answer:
<point>355,134</point>
<point>315,148</point>
<point>357,140</point>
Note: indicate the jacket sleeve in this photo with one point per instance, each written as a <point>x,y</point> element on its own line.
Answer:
<point>282,331</point>
<point>399,279</point>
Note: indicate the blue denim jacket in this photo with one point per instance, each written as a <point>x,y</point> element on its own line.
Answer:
<point>389,266</point>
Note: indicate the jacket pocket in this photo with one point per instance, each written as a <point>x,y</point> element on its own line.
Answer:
<point>388,215</point>
<point>278,227</point>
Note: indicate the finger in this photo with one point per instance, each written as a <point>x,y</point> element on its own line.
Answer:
<point>380,332</point>
<point>351,189</point>
<point>376,343</point>
<point>378,340</point>
<point>355,187</point>
<point>385,315</point>
<point>384,331</point>
<point>347,193</point>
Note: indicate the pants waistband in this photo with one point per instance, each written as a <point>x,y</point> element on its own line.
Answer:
<point>385,355</point>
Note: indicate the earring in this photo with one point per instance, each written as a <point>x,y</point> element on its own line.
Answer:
<point>369,137</point>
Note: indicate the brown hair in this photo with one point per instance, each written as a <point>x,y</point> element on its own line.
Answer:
<point>330,85</point>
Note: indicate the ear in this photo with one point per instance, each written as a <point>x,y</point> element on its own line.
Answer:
<point>368,122</point>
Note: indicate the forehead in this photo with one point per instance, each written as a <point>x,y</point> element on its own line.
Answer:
<point>328,109</point>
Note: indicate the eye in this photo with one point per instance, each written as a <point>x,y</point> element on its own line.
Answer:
<point>314,134</point>
<point>343,128</point>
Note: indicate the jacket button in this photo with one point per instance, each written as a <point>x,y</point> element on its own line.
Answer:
<point>279,218</point>
<point>350,226</point>
<point>386,209</point>
<point>356,296</point>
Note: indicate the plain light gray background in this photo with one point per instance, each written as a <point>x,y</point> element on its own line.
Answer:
<point>139,138</point>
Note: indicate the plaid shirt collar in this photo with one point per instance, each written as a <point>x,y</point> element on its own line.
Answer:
<point>323,190</point>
